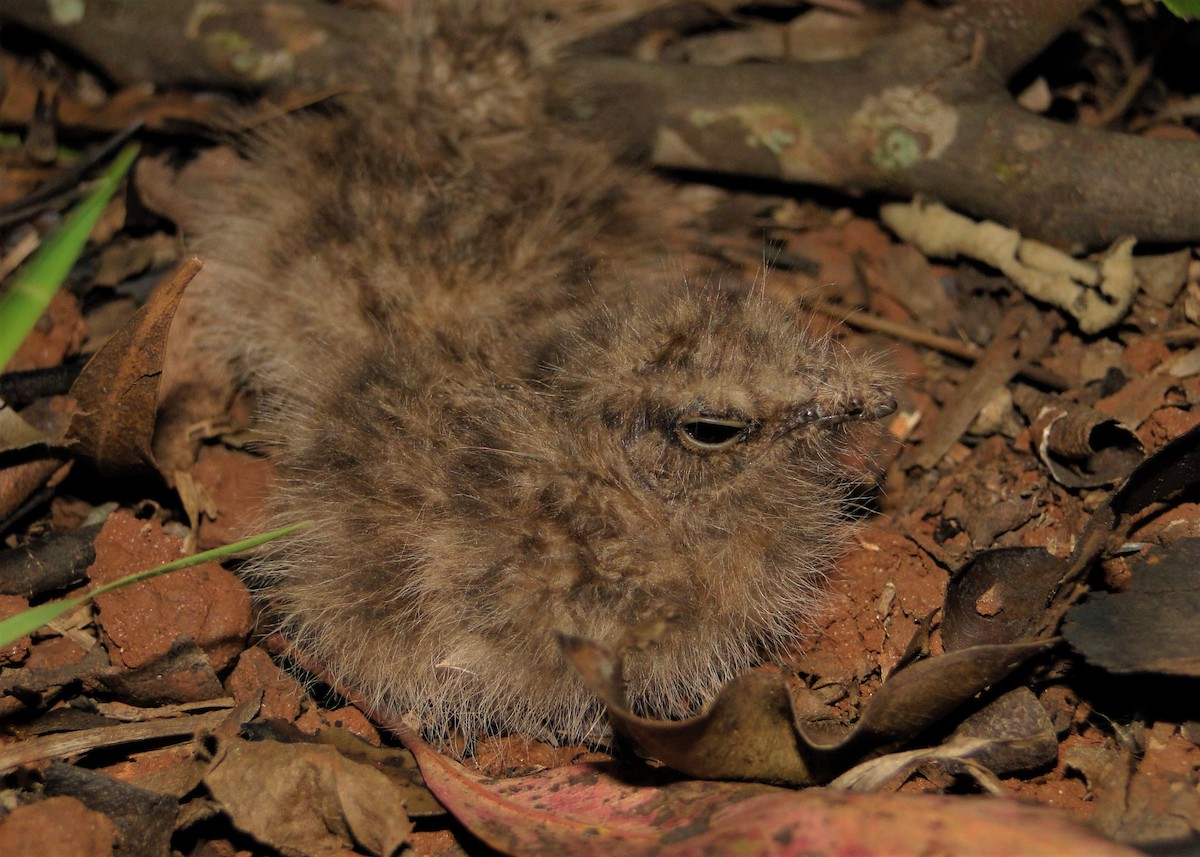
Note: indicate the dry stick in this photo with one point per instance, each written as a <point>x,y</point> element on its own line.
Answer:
<point>954,347</point>
<point>799,122</point>
<point>841,124</point>
<point>1139,76</point>
<point>71,743</point>
<point>998,365</point>
<point>65,185</point>
<point>1013,31</point>
<point>967,351</point>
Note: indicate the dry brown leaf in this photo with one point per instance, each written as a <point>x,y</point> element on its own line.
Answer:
<point>1151,628</point>
<point>1011,733</point>
<point>117,392</point>
<point>307,799</point>
<point>751,732</point>
<point>15,432</point>
<point>999,596</point>
<point>398,765</point>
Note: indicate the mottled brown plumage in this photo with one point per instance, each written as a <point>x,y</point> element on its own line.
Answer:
<point>505,418</point>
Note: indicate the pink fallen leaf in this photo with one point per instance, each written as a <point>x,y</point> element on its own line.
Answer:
<point>603,809</point>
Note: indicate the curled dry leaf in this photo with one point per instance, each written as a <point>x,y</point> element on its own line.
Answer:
<point>1081,447</point>
<point>1010,733</point>
<point>1156,480</point>
<point>925,693</point>
<point>746,734</point>
<point>999,596</point>
<point>55,562</point>
<point>307,799</point>
<point>750,732</point>
<point>117,392</point>
<point>1174,467</point>
<point>601,809</point>
<point>890,772</point>
<point>1009,594</point>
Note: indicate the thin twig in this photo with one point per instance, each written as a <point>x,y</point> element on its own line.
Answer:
<point>1139,76</point>
<point>955,347</point>
<point>73,743</point>
<point>64,185</point>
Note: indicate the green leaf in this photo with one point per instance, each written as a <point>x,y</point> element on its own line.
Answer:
<point>28,621</point>
<point>1184,8</point>
<point>33,288</point>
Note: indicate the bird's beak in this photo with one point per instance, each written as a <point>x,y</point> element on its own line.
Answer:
<point>876,404</point>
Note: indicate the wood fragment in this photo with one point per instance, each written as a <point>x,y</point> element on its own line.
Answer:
<point>967,351</point>
<point>73,743</point>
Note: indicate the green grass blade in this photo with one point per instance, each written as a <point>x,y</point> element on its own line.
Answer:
<point>28,621</point>
<point>196,559</point>
<point>35,285</point>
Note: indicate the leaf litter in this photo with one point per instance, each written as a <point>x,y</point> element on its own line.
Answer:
<point>751,732</point>
<point>604,808</point>
<point>879,699</point>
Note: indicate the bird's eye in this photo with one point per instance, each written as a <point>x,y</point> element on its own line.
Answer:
<point>710,434</point>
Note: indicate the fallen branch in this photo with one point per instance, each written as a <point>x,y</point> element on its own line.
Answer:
<point>924,111</point>
<point>73,743</point>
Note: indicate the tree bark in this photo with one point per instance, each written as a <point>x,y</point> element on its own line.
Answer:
<point>246,45</point>
<point>859,129</point>
<point>925,111</point>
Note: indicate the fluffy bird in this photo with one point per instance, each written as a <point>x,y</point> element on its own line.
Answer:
<point>505,420</point>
